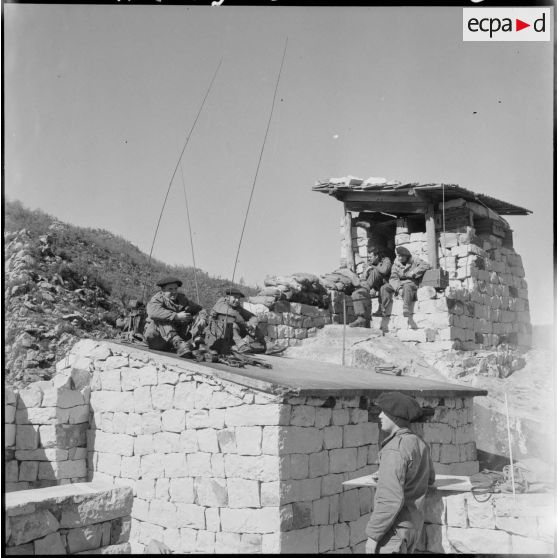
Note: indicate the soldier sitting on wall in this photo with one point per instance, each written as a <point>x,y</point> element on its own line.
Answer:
<point>232,326</point>
<point>173,320</point>
<point>375,275</point>
<point>406,273</point>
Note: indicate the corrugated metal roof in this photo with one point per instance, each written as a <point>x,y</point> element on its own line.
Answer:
<point>338,187</point>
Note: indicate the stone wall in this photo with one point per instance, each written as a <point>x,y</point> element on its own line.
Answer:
<point>486,302</point>
<point>491,524</point>
<point>217,466</point>
<point>82,518</point>
<point>45,435</point>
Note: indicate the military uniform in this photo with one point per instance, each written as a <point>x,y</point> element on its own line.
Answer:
<point>405,277</point>
<point>375,276</point>
<point>229,325</point>
<point>162,331</point>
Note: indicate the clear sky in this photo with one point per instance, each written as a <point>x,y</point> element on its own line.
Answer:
<point>99,100</point>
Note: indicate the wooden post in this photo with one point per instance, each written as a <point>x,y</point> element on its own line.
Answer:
<point>349,255</point>
<point>431,243</point>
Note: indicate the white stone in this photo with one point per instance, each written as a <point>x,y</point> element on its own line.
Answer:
<point>143,444</point>
<point>29,397</point>
<point>270,440</point>
<point>152,466</point>
<point>218,465</point>
<point>207,440</point>
<point>298,439</point>
<point>114,443</point>
<point>205,543</point>
<point>340,417</point>
<point>174,420</point>
<point>227,543</point>
<point>79,415</point>
<point>269,492</point>
<point>199,464</point>
<point>174,465</point>
<point>248,440</point>
<point>109,463</point>
<point>167,377</point>
<point>162,396</point>
<point>130,467</point>
<point>323,417</point>
<point>190,515</point>
<point>478,541</point>
<point>133,378</point>
<point>258,467</point>
<point>163,513</point>
<point>263,520</point>
<point>182,490</point>
<point>64,398</point>
<point>184,395</point>
<point>342,460</point>
<point>142,399</point>
<point>212,519</point>
<point>110,380</point>
<point>112,401</point>
<point>302,415</point>
<point>42,415</point>
<point>188,442</point>
<point>243,493</point>
<point>151,422</point>
<point>10,435</point>
<point>253,415</point>
<point>62,469</point>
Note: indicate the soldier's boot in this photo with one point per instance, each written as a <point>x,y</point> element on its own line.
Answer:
<point>183,348</point>
<point>361,321</point>
<point>242,347</point>
<point>257,347</point>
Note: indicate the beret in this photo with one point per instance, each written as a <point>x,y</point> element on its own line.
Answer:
<point>402,251</point>
<point>167,280</point>
<point>399,405</point>
<point>235,292</point>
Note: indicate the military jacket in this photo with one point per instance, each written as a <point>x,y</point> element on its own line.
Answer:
<point>383,267</point>
<point>412,271</point>
<point>405,473</point>
<point>161,309</point>
<point>222,308</point>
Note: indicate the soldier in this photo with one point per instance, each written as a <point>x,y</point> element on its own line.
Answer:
<point>231,325</point>
<point>405,473</point>
<point>406,273</point>
<point>375,275</point>
<point>172,319</point>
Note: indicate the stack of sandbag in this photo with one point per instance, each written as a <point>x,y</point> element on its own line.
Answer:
<point>341,280</point>
<point>298,287</point>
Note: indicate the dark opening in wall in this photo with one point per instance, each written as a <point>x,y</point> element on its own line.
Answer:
<point>416,223</point>
<point>513,292</point>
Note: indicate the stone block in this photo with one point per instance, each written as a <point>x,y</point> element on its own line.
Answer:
<point>174,465</point>
<point>435,509</point>
<point>121,444</point>
<point>529,545</point>
<point>333,437</point>
<point>199,464</point>
<point>299,466</point>
<point>151,466</point>
<point>323,417</point>
<point>342,535</point>
<point>362,434</point>
<point>357,530</point>
<point>130,467</point>
<point>449,453</point>
<point>340,417</point>
<point>256,415</point>
<point>524,526</point>
<point>188,442</point>
<point>31,526</point>
<point>51,544</point>
<point>248,440</point>
<point>142,399</point>
<point>478,541</point>
<point>349,506</point>
<point>173,420</point>
<point>438,433</point>
<point>303,415</point>
<point>309,489</point>
<point>42,415</point>
<point>227,543</point>
<point>318,464</point>
<point>332,484</point>
<point>456,510</point>
<point>56,470</point>
<point>26,436</point>
<point>167,377</point>
<point>110,380</point>
<point>10,435</point>
<point>223,399</point>
<point>112,401</point>
<point>365,497</point>
<point>163,513</point>
<point>210,492</point>
<point>9,414</point>
<point>258,467</point>
<point>84,538</point>
<point>320,511</point>
<point>244,493</point>
<point>480,514</point>
<point>29,397</point>
<point>151,422</point>
<point>79,415</point>
<point>28,470</point>
<point>298,439</point>
<point>263,520</point>
<point>162,396</point>
<point>303,541</point>
<point>342,460</point>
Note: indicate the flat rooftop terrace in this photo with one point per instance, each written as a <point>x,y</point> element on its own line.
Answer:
<point>313,378</point>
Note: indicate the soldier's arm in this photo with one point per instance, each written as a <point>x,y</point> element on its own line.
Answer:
<point>384,267</point>
<point>244,314</point>
<point>389,497</point>
<point>157,311</point>
<point>192,307</point>
<point>420,269</point>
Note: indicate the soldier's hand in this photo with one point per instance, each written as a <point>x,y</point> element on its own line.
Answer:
<point>184,317</point>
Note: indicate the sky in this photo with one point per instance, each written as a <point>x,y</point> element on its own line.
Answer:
<point>99,100</point>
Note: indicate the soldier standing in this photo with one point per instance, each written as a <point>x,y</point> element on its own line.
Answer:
<point>172,319</point>
<point>405,473</point>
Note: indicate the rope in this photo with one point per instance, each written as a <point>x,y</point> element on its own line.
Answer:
<point>191,239</point>
<point>176,168</point>
<point>259,160</point>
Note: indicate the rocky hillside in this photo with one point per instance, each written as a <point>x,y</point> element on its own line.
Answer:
<point>63,282</point>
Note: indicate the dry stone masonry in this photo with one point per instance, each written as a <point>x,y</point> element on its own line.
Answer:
<point>214,462</point>
<point>81,518</point>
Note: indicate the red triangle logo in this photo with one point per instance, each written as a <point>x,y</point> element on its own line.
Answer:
<point>519,25</point>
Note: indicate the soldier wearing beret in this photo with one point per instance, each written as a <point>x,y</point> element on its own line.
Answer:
<point>231,325</point>
<point>172,319</point>
<point>405,473</point>
<point>406,273</point>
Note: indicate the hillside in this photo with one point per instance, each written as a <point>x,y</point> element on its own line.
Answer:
<point>63,282</point>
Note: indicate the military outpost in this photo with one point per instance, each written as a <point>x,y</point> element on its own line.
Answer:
<point>125,446</point>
